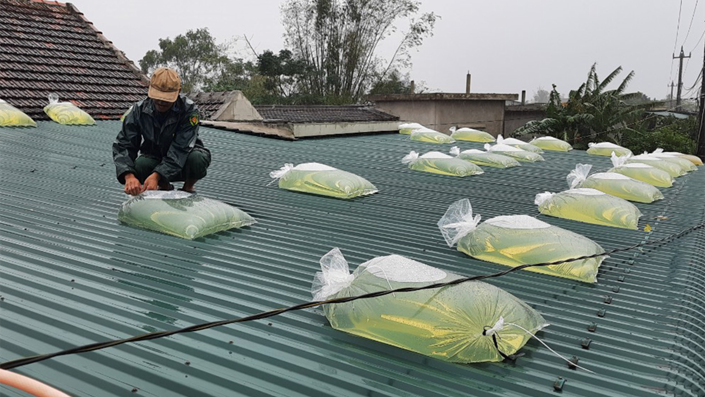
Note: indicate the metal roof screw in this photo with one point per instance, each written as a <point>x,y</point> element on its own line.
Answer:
<point>592,327</point>
<point>601,313</point>
<point>608,299</point>
<point>135,390</point>
<point>627,271</point>
<point>621,279</point>
<point>573,362</point>
<point>615,289</point>
<point>558,384</point>
<point>585,344</point>
<point>188,363</point>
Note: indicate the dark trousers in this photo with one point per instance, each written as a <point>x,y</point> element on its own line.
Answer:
<point>196,166</point>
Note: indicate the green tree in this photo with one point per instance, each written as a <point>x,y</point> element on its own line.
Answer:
<point>541,96</point>
<point>338,41</point>
<point>199,60</point>
<point>668,133</point>
<point>393,84</point>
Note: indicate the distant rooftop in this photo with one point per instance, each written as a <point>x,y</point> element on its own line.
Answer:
<point>322,113</point>
<point>50,47</point>
<point>442,96</point>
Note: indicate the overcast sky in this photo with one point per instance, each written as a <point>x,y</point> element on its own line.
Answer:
<point>507,45</point>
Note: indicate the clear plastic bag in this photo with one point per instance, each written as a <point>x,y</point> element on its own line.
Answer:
<point>181,214</point>
<point>693,159</point>
<point>10,116</point>
<point>518,144</point>
<point>514,152</point>
<point>430,136</point>
<point>672,169</point>
<point>551,143</point>
<point>682,162</point>
<point>471,135</point>
<point>449,323</point>
<point>617,185</point>
<point>641,172</point>
<point>66,112</point>
<point>484,158</point>
<point>406,128</point>
<point>323,180</point>
<point>520,239</point>
<point>606,149</point>
<point>589,206</point>
<point>440,163</point>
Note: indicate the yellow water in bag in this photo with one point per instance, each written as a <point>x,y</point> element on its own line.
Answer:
<point>607,148</point>
<point>181,214</point>
<point>671,168</point>
<point>589,206</point>
<point>693,159</point>
<point>430,136</point>
<point>406,128</point>
<point>485,158</point>
<point>612,183</point>
<point>449,323</point>
<point>518,144</point>
<point>10,116</point>
<point>641,172</point>
<point>66,112</point>
<point>441,163</point>
<point>551,143</point>
<point>470,135</point>
<point>520,239</point>
<point>323,180</point>
<point>514,152</point>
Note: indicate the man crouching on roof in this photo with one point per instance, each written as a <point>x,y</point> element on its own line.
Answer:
<point>164,129</point>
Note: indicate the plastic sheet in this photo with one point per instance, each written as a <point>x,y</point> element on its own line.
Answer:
<point>441,163</point>
<point>66,112</point>
<point>430,136</point>
<point>672,169</point>
<point>617,185</point>
<point>181,214</point>
<point>10,116</point>
<point>471,135</point>
<point>406,128</point>
<point>514,152</point>
<point>606,149</point>
<point>518,144</point>
<point>641,172</point>
<point>484,158</point>
<point>323,180</point>
<point>682,162</point>
<point>551,143</point>
<point>520,239</point>
<point>693,159</point>
<point>589,206</point>
<point>448,324</point>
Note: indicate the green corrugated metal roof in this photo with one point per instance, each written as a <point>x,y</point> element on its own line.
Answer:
<point>72,275</point>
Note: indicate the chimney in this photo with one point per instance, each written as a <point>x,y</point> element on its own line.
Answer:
<point>523,97</point>
<point>412,87</point>
<point>467,83</point>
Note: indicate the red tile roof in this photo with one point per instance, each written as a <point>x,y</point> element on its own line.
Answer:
<point>48,46</point>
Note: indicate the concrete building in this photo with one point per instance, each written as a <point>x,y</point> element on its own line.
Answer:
<point>440,111</point>
<point>516,116</point>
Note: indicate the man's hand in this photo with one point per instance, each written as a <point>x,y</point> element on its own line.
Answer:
<point>151,183</point>
<point>132,185</point>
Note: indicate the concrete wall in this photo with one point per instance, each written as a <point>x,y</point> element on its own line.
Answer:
<point>516,119</point>
<point>440,115</point>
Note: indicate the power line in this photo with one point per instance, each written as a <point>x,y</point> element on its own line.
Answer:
<point>675,44</point>
<point>691,22</point>
<point>307,305</point>
<point>696,44</point>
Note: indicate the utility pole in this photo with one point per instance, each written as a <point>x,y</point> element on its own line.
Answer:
<point>680,77</point>
<point>701,122</point>
<point>670,102</point>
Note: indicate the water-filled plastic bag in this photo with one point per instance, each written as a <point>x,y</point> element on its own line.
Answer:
<point>440,163</point>
<point>471,135</point>
<point>66,112</point>
<point>323,180</point>
<point>406,128</point>
<point>613,183</point>
<point>518,144</point>
<point>514,152</point>
<point>671,168</point>
<point>10,116</point>
<point>551,143</point>
<point>484,158</point>
<point>606,149</point>
<point>430,136</point>
<point>693,159</point>
<point>449,323</point>
<point>682,162</point>
<point>641,172</point>
<point>181,214</point>
<point>589,206</point>
<point>515,240</point>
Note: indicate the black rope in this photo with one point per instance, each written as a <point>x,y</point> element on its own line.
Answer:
<point>259,316</point>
